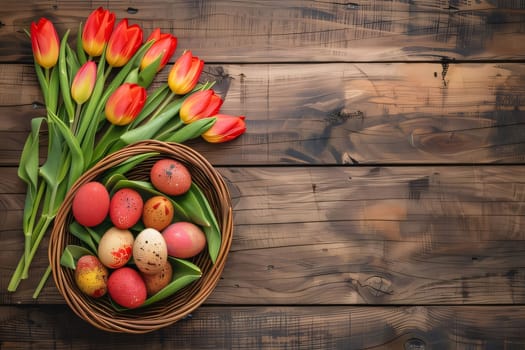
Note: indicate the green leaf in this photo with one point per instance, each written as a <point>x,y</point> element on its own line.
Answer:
<point>83,234</point>
<point>193,205</point>
<point>51,168</point>
<point>81,54</point>
<point>77,164</point>
<point>72,62</point>
<point>53,91</point>
<point>153,101</point>
<point>189,131</point>
<point>147,75</point>
<point>149,129</point>
<point>126,166</point>
<point>184,273</point>
<point>213,231</point>
<point>71,254</point>
<point>64,80</point>
<point>28,167</point>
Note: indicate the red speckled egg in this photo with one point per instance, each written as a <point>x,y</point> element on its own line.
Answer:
<point>127,288</point>
<point>170,177</point>
<point>91,204</point>
<point>125,208</point>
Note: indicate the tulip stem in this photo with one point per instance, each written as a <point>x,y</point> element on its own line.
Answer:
<point>75,121</point>
<point>162,106</point>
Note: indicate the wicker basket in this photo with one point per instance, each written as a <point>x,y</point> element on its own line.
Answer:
<point>99,312</point>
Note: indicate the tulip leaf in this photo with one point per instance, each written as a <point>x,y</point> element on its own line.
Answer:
<point>149,129</point>
<point>147,75</point>
<point>64,80</point>
<point>189,131</point>
<point>71,254</point>
<point>72,62</point>
<point>193,205</point>
<point>51,168</point>
<point>53,91</point>
<point>152,103</point>
<point>81,54</point>
<point>184,273</point>
<point>77,164</point>
<point>28,168</point>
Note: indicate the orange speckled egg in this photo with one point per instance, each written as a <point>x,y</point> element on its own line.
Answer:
<point>157,213</point>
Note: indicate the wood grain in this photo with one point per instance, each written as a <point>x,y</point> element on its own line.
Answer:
<point>276,327</point>
<point>297,31</point>
<point>365,235</point>
<point>338,113</point>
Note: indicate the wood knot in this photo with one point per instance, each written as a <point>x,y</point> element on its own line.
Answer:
<point>415,344</point>
<point>378,286</point>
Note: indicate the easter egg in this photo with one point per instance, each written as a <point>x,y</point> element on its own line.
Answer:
<point>125,208</point>
<point>90,204</point>
<point>157,213</point>
<point>91,276</point>
<point>127,288</point>
<point>115,247</point>
<point>184,239</point>
<point>170,177</point>
<point>149,251</point>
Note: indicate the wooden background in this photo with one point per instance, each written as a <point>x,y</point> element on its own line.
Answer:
<point>379,192</point>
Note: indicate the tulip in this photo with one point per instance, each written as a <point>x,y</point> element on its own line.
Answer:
<point>84,82</point>
<point>164,46</point>
<point>45,43</point>
<point>202,104</point>
<point>185,73</point>
<point>125,104</point>
<point>123,43</point>
<point>97,31</point>
<point>225,128</point>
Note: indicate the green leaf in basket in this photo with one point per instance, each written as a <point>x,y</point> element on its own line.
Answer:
<point>192,203</point>
<point>71,254</point>
<point>213,231</point>
<point>184,273</point>
<point>83,234</point>
<point>127,165</point>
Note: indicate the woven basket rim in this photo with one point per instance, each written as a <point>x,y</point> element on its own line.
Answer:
<point>164,313</point>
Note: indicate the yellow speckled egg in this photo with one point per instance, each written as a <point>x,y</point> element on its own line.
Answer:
<point>115,247</point>
<point>150,252</point>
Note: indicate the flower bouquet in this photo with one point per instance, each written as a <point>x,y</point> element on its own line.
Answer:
<point>99,99</point>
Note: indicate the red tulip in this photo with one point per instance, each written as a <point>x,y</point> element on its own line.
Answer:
<point>225,128</point>
<point>123,43</point>
<point>185,73</point>
<point>97,31</point>
<point>199,105</point>
<point>45,43</point>
<point>164,45</point>
<point>84,82</point>
<point>125,104</point>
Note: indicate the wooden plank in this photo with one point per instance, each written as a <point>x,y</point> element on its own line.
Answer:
<point>278,327</point>
<point>292,31</point>
<point>339,113</point>
<point>356,235</point>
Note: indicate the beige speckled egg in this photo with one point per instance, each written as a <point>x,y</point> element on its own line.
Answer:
<point>115,247</point>
<point>150,252</point>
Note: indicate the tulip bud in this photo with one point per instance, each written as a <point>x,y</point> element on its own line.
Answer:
<point>125,104</point>
<point>123,43</point>
<point>45,43</point>
<point>225,128</point>
<point>84,82</point>
<point>185,73</point>
<point>201,104</point>
<point>163,46</point>
<point>97,31</point>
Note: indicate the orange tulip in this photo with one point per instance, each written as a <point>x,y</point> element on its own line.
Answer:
<point>185,73</point>
<point>199,105</point>
<point>164,46</point>
<point>84,82</point>
<point>45,43</point>
<point>123,43</point>
<point>225,128</point>
<point>97,31</point>
<point>125,104</point>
